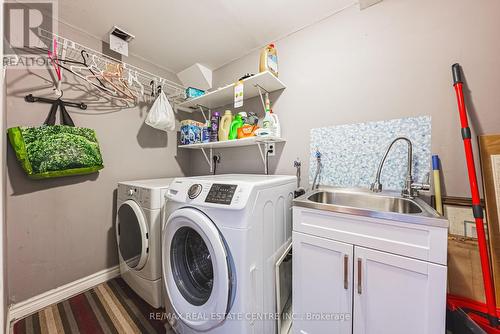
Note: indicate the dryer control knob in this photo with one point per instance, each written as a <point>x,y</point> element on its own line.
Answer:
<point>194,191</point>
<point>131,192</point>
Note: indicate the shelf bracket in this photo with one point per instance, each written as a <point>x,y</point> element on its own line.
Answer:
<point>202,109</point>
<point>209,157</point>
<point>260,89</point>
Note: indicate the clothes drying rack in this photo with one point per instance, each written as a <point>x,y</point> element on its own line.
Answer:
<point>145,83</point>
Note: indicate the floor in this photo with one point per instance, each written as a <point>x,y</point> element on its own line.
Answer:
<point>111,307</point>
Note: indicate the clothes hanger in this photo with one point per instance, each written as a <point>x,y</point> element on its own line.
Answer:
<point>53,57</point>
<point>156,91</point>
<point>133,81</point>
<point>118,75</point>
<point>122,80</point>
<point>114,76</point>
<point>92,68</point>
<point>152,84</point>
<point>112,73</point>
<point>84,64</point>
<point>76,70</point>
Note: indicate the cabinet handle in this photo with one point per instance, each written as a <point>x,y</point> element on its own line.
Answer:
<point>360,264</point>
<point>346,274</point>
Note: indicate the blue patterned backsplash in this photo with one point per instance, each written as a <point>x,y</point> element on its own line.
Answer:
<point>351,153</point>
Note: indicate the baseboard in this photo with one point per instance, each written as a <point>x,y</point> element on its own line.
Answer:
<point>34,304</point>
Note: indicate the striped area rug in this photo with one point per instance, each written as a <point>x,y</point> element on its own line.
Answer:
<point>111,307</point>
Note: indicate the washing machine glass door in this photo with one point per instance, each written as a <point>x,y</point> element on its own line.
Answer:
<point>132,235</point>
<point>196,269</point>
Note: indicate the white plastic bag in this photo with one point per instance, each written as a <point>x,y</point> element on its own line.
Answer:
<point>161,115</point>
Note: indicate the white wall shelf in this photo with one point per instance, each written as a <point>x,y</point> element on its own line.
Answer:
<point>261,142</point>
<point>234,143</point>
<point>266,81</point>
<point>256,85</point>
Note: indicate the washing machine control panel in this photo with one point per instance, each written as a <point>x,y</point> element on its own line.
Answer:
<point>230,195</point>
<point>221,193</point>
<point>140,195</point>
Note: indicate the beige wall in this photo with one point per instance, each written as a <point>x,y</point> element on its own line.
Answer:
<point>61,230</point>
<point>391,60</point>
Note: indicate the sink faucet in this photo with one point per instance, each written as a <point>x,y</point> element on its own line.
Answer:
<point>410,189</point>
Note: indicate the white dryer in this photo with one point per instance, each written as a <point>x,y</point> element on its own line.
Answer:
<point>139,215</point>
<point>220,244</point>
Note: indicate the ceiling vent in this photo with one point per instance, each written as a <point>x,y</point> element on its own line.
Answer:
<point>119,39</point>
<point>121,34</point>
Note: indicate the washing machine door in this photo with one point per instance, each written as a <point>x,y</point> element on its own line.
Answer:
<point>132,235</point>
<point>196,269</point>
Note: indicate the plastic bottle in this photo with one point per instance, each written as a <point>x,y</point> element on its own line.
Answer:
<point>267,103</point>
<point>235,125</point>
<point>272,124</point>
<point>214,126</point>
<point>267,123</point>
<point>205,133</point>
<point>277,126</point>
<point>269,60</point>
<point>225,125</point>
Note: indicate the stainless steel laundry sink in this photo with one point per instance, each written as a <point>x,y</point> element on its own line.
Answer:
<point>360,202</point>
<point>366,201</point>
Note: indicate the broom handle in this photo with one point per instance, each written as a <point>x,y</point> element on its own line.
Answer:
<point>477,210</point>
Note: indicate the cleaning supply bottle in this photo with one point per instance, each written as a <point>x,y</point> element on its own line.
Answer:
<point>235,125</point>
<point>205,132</point>
<point>271,124</point>
<point>267,104</point>
<point>214,126</point>
<point>277,126</point>
<point>225,125</point>
<point>269,60</point>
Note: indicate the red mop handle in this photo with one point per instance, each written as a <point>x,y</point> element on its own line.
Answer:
<point>477,209</point>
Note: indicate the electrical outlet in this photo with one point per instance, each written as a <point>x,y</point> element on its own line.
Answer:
<point>217,158</point>
<point>270,149</point>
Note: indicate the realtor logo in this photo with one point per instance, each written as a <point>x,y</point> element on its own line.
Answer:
<point>28,29</point>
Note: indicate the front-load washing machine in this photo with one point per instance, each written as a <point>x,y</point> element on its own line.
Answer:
<point>220,244</point>
<point>139,215</point>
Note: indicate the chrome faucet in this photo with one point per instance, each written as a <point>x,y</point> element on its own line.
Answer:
<point>410,188</point>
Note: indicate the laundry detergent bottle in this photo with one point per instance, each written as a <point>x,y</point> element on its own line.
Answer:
<point>235,125</point>
<point>269,60</point>
<point>225,125</point>
<point>277,126</point>
<point>272,124</point>
<point>214,126</point>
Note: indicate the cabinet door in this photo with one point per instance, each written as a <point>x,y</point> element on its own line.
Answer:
<point>395,294</point>
<point>322,285</point>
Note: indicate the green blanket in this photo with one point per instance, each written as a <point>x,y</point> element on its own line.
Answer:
<point>56,150</point>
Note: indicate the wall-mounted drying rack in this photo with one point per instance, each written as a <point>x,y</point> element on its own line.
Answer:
<point>140,82</point>
<point>261,142</point>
